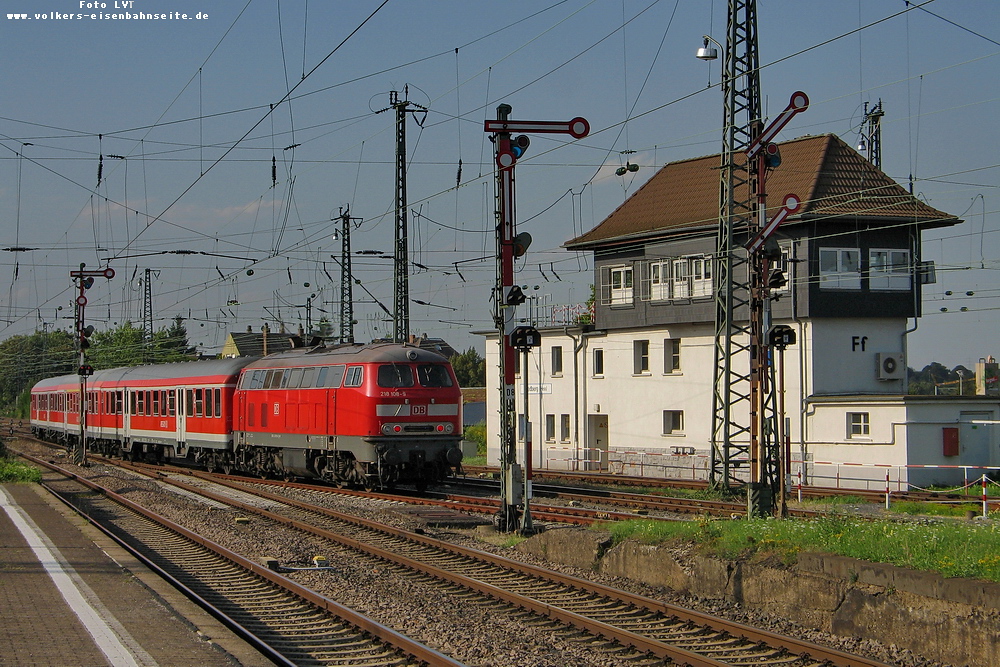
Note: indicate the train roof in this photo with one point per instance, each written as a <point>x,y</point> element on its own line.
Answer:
<point>172,371</point>
<point>349,354</point>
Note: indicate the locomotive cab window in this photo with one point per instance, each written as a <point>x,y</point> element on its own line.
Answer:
<point>434,375</point>
<point>395,375</point>
<point>355,376</point>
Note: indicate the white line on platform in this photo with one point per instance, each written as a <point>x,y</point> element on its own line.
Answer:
<point>110,641</point>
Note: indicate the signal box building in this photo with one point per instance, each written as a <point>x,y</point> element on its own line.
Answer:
<point>632,392</point>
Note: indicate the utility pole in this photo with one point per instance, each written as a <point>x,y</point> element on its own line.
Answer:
<point>400,271</point>
<point>85,280</point>
<point>346,279</point>
<point>515,481</point>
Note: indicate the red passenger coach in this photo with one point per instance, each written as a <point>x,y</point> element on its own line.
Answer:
<point>167,410</point>
<point>364,414</point>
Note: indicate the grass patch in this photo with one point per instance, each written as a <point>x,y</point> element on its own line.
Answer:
<point>12,470</point>
<point>953,549</point>
<point>936,509</point>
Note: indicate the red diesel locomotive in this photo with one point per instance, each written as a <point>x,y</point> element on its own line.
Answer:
<point>363,414</point>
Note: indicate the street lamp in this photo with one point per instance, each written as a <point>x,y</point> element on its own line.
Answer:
<point>707,52</point>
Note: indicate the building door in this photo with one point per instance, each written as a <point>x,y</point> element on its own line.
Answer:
<point>596,456</point>
<point>974,439</point>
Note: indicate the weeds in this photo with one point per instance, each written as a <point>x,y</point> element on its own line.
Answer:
<point>954,549</point>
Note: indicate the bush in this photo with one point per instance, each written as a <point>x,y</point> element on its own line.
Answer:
<point>477,434</point>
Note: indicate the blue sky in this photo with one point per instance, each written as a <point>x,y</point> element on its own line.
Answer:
<point>187,104</point>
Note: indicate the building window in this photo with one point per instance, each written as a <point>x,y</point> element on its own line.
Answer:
<point>659,281</point>
<point>840,268</point>
<point>621,285</point>
<point>681,279</point>
<point>557,366</point>
<point>671,355</point>
<point>888,269</point>
<point>701,276</point>
<point>640,356</point>
<point>598,361</point>
<point>550,428</point>
<point>782,265</point>
<point>673,422</point>
<point>858,425</point>
<point>564,428</point>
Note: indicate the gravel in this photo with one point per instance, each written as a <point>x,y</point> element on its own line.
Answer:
<point>478,632</point>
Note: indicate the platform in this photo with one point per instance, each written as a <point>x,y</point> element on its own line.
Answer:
<point>69,595</point>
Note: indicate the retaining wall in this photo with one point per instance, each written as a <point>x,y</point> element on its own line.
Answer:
<point>956,621</point>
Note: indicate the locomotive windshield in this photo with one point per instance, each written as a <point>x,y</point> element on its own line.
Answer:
<point>434,375</point>
<point>395,375</point>
<point>401,375</point>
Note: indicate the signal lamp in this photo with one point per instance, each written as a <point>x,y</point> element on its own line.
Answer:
<point>521,243</point>
<point>519,144</point>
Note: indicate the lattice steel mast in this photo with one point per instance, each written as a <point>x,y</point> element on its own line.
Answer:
<point>401,268</point>
<point>731,399</point>
<point>346,280</point>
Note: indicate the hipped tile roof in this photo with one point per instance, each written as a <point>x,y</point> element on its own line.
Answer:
<point>832,179</point>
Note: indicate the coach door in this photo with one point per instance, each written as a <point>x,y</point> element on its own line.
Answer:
<point>178,400</point>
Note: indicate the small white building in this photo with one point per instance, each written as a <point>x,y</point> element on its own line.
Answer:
<point>632,392</point>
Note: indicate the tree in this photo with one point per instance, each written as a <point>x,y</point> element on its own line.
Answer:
<point>24,360</point>
<point>123,346</point>
<point>171,344</point>
<point>588,316</point>
<point>936,379</point>
<point>470,368</point>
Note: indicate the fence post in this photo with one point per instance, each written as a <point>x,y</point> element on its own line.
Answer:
<point>985,504</point>
<point>887,491</point>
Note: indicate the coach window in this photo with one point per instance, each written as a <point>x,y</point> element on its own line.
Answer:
<point>139,404</point>
<point>393,376</point>
<point>208,403</point>
<point>218,402</point>
<point>156,403</point>
<point>199,402</point>
<point>171,403</point>
<point>355,376</point>
<point>308,377</point>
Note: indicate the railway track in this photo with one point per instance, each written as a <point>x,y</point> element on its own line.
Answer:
<point>646,626</point>
<point>603,480</point>
<point>290,624</point>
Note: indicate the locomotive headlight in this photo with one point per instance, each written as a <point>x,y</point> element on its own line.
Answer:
<point>387,428</point>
